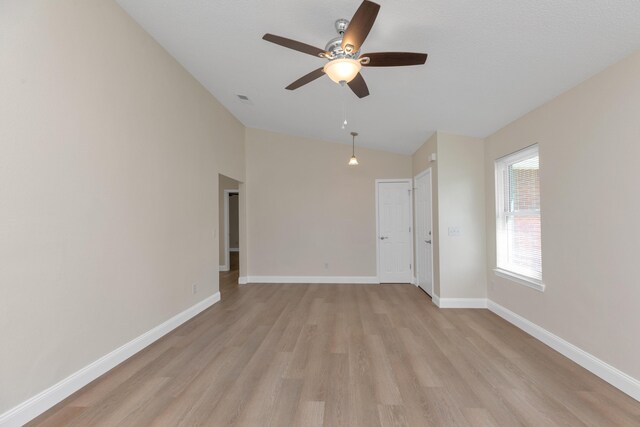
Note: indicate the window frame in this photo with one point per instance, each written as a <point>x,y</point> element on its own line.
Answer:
<point>501,269</point>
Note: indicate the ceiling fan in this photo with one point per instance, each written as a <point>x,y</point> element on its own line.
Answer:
<point>343,52</point>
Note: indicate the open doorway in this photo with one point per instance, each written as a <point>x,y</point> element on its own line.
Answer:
<point>229,220</point>
<point>231,230</point>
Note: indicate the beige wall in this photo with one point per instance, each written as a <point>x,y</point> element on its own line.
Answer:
<point>461,203</point>
<point>420,160</point>
<point>224,183</point>
<point>458,200</point>
<point>308,208</point>
<point>589,141</point>
<point>109,160</point>
<point>420,163</point>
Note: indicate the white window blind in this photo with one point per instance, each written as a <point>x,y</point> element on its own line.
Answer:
<point>518,231</point>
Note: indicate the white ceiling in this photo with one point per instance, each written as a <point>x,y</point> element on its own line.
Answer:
<point>490,61</point>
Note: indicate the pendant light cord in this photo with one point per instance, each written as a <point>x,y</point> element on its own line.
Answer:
<point>353,143</point>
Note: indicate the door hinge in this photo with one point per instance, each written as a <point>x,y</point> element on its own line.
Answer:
<point>409,229</point>
<point>409,266</point>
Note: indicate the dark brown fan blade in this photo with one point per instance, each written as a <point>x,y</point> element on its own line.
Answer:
<point>306,79</point>
<point>359,86</point>
<point>292,44</point>
<point>360,25</point>
<point>394,59</point>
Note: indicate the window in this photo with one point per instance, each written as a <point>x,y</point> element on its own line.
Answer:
<point>518,242</point>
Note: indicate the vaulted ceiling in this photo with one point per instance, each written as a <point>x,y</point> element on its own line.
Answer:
<point>489,62</point>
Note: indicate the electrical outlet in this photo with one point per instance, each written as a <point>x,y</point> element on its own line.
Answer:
<point>194,288</point>
<point>454,231</point>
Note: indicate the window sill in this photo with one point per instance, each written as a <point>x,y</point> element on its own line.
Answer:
<point>522,280</point>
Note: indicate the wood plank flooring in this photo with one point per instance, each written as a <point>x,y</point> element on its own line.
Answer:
<point>344,355</point>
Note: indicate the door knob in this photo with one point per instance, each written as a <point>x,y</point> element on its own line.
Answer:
<point>428,241</point>
<point>383,237</point>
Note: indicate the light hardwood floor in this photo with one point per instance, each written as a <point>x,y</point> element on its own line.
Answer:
<point>344,355</point>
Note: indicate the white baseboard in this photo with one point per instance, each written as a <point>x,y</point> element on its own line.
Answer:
<point>313,279</point>
<point>223,268</point>
<point>459,302</point>
<point>435,299</point>
<point>46,399</point>
<point>242,280</point>
<point>613,376</point>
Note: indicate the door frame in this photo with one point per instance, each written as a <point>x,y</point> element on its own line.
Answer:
<point>227,263</point>
<point>415,229</point>
<point>409,182</point>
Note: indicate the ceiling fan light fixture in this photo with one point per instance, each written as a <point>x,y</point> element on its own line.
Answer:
<point>343,52</point>
<point>342,69</point>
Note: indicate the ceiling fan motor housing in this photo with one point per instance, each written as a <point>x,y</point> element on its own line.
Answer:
<point>334,46</point>
<point>341,25</point>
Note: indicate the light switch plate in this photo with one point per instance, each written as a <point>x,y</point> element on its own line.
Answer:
<point>454,231</point>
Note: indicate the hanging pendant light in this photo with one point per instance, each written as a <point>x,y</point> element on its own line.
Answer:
<point>353,161</point>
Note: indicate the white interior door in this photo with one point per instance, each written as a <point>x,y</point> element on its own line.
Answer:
<point>395,239</point>
<point>424,238</point>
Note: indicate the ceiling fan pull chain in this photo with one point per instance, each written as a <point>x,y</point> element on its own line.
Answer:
<point>344,106</point>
